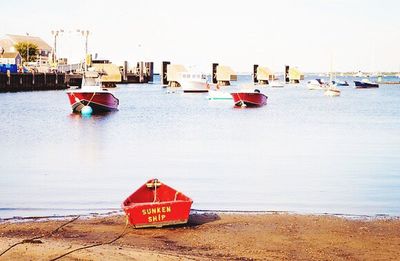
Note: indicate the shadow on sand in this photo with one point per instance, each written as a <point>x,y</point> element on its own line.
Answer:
<point>197,219</point>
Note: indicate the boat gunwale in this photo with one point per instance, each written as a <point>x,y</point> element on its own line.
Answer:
<point>156,203</point>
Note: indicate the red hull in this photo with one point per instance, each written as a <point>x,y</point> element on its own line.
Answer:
<point>155,205</point>
<point>252,99</point>
<point>99,101</point>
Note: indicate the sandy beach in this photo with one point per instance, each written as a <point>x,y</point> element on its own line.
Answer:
<point>207,236</point>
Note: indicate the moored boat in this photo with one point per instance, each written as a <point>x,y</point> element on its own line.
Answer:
<point>155,204</point>
<point>365,83</point>
<point>316,84</point>
<point>342,83</point>
<point>219,95</point>
<point>331,88</point>
<point>193,82</point>
<point>250,99</point>
<point>332,91</point>
<point>91,94</point>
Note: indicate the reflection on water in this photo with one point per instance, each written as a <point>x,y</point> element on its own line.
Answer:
<point>302,152</point>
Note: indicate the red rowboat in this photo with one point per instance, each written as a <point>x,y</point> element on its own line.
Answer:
<point>155,205</point>
<point>251,99</point>
<point>92,94</point>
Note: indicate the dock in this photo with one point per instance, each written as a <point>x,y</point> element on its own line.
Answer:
<point>15,82</point>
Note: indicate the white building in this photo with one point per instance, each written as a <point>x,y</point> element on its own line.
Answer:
<point>10,58</point>
<point>9,41</point>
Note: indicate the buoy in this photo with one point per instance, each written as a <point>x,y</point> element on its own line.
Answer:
<point>86,110</point>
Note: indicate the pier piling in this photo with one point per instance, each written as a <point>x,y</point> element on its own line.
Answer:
<point>255,78</point>
<point>125,73</point>
<point>164,72</point>
<point>287,80</point>
<point>214,73</point>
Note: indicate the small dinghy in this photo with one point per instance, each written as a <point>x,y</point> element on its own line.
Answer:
<point>155,205</point>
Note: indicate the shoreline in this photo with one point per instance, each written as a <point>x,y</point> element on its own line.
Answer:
<point>201,211</point>
<point>208,236</point>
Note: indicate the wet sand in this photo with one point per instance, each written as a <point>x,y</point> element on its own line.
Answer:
<point>209,236</point>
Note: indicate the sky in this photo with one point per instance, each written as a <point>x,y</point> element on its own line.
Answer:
<point>313,35</point>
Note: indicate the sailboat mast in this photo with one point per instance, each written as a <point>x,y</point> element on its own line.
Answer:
<point>330,71</point>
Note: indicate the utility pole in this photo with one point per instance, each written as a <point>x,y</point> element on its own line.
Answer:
<point>27,49</point>
<point>85,33</point>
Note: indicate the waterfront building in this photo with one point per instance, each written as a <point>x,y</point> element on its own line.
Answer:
<point>264,75</point>
<point>8,42</point>
<point>225,74</point>
<point>10,58</point>
<point>295,75</point>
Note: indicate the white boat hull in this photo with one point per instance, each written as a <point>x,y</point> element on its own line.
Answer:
<point>315,87</point>
<point>194,86</point>
<point>219,95</point>
<point>332,92</point>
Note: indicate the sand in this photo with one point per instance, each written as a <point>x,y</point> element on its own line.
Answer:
<point>209,236</point>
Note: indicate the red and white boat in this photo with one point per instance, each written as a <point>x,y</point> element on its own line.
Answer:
<point>251,99</point>
<point>92,94</point>
<point>155,204</point>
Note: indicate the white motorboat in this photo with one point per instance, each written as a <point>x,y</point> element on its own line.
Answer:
<point>193,82</point>
<point>316,84</point>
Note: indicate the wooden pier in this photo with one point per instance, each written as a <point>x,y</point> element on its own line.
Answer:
<point>15,82</point>
<point>143,72</point>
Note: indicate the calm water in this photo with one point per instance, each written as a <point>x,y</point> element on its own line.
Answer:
<point>302,152</point>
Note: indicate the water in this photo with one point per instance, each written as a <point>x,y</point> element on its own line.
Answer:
<point>303,152</point>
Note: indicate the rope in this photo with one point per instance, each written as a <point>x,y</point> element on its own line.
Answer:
<point>241,101</point>
<point>95,245</point>
<point>155,190</point>
<point>88,101</point>
<point>176,195</point>
<point>91,99</point>
<point>35,239</point>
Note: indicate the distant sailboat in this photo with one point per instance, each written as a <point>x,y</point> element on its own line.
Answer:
<point>331,89</point>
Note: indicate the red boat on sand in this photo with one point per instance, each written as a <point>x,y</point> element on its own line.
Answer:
<point>251,99</point>
<point>155,204</point>
<point>92,94</point>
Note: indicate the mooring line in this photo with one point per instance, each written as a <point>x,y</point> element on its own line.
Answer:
<point>34,240</point>
<point>95,245</point>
